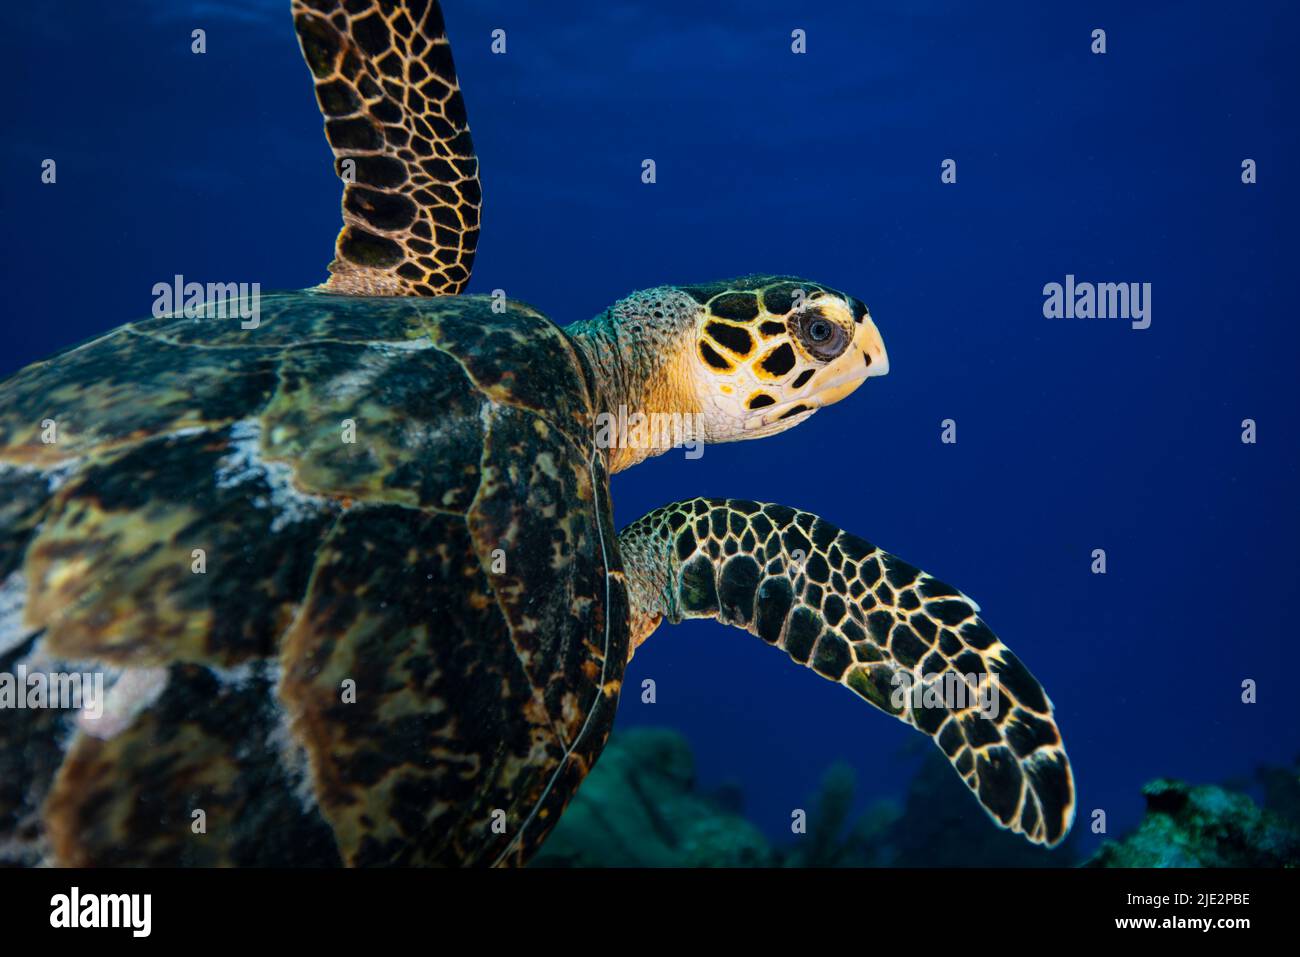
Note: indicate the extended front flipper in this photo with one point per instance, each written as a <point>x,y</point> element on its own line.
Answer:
<point>396,121</point>
<point>909,644</point>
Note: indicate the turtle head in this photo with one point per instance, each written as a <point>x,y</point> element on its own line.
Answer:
<point>768,352</point>
<point>743,359</point>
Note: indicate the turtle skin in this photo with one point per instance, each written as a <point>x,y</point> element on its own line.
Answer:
<point>351,576</point>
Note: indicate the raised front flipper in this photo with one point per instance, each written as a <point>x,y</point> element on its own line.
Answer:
<point>396,121</point>
<point>909,644</point>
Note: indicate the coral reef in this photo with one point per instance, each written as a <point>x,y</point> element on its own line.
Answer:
<point>639,808</point>
<point>1206,826</point>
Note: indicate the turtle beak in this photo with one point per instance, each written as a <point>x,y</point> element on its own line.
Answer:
<point>871,345</point>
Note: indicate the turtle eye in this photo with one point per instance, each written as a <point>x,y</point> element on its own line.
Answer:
<point>823,338</point>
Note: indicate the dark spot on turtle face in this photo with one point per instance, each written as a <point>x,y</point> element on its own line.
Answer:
<point>802,378</point>
<point>770,328</point>
<point>779,299</point>
<point>737,306</point>
<point>702,294</point>
<point>780,360</point>
<point>793,411</point>
<point>732,337</point>
<point>710,356</point>
<point>859,310</point>
<point>761,400</point>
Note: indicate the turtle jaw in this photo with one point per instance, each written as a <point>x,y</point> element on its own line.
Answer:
<point>802,405</point>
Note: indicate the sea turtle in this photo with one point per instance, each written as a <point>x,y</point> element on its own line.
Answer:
<point>349,573</point>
